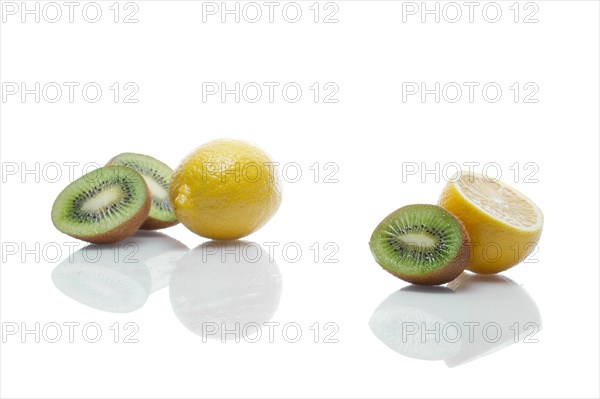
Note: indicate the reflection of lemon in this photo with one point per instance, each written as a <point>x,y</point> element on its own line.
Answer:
<point>224,190</point>
<point>504,226</point>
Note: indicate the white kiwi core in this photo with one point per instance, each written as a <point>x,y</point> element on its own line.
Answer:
<point>103,199</point>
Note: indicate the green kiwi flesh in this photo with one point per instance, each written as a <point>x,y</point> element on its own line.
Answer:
<point>157,176</point>
<point>421,244</point>
<point>103,206</point>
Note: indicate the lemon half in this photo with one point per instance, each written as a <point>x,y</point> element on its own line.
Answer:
<point>504,225</point>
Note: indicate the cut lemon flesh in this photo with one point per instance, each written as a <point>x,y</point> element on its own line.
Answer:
<point>501,202</point>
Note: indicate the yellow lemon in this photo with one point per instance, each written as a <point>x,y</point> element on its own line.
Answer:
<point>504,226</point>
<point>225,190</point>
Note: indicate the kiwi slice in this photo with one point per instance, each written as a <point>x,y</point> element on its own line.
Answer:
<point>157,176</point>
<point>103,206</point>
<point>421,244</point>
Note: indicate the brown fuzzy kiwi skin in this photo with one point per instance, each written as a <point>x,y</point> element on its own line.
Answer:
<point>155,224</point>
<point>124,230</point>
<point>446,273</point>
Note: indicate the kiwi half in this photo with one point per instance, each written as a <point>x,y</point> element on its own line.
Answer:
<point>104,206</point>
<point>421,244</point>
<point>157,176</point>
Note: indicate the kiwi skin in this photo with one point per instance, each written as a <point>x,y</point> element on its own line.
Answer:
<point>154,224</point>
<point>444,274</point>
<point>150,223</point>
<point>124,230</point>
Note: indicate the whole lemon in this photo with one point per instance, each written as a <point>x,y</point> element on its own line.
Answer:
<point>225,189</point>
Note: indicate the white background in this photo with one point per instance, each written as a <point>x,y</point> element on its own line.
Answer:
<point>370,134</point>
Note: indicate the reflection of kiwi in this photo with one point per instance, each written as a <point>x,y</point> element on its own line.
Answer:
<point>422,244</point>
<point>159,253</point>
<point>400,321</point>
<point>119,277</point>
<point>92,277</point>
<point>104,206</point>
<point>471,317</point>
<point>157,176</point>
